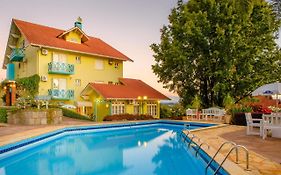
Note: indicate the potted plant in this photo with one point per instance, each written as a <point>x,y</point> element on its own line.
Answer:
<point>228,103</point>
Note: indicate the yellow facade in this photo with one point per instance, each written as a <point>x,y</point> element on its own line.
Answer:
<point>84,71</point>
<point>73,37</point>
<point>87,69</point>
<point>103,107</point>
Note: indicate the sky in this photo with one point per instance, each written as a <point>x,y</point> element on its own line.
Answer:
<point>130,26</point>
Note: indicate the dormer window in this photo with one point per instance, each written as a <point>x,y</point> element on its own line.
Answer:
<point>75,34</point>
<point>75,40</point>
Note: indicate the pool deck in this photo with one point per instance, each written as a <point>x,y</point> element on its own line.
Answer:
<point>265,155</point>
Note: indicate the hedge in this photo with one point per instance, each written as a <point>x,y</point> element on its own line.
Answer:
<point>73,114</point>
<point>3,115</point>
<point>121,117</point>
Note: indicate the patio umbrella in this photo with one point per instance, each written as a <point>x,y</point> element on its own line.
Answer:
<point>269,89</point>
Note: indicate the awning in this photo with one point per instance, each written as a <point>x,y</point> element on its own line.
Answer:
<point>83,103</point>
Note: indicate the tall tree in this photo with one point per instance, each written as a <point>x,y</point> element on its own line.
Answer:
<point>216,47</point>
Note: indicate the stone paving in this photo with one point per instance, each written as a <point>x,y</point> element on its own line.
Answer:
<point>265,155</point>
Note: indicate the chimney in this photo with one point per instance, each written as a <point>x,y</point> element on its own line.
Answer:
<point>78,23</point>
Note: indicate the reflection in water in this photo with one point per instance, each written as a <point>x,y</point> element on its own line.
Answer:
<point>151,150</point>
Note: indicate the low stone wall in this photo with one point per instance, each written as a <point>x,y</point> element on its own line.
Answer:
<point>35,117</point>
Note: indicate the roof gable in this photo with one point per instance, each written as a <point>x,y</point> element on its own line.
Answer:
<point>129,89</point>
<point>83,36</point>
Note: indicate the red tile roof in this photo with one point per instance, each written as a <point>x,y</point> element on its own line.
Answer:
<point>129,89</point>
<point>47,36</point>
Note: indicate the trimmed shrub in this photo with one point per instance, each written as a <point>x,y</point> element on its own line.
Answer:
<point>176,118</point>
<point>73,114</point>
<point>3,115</point>
<point>121,117</point>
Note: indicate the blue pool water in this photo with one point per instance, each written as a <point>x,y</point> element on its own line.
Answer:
<point>155,148</point>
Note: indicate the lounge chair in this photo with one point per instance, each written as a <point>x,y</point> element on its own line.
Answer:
<point>251,123</point>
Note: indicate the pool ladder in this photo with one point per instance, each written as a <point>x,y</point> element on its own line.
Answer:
<point>191,140</point>
<point>234,147</point>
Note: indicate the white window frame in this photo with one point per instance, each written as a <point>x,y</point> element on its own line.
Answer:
<point>152,108</point>
<point>118,108</point>
<point>73,40</point>
<point>59,83</point>
<point>137,109</point>
<point>78,59</point>
<point>60,58</point>
<point>99,64</point>
<point>77,82</point>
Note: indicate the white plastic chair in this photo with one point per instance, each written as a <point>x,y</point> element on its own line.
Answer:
<point>251,123</point>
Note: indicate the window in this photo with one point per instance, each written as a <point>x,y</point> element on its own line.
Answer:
<point>61,58</point>
<point>136,108</point>
<point>59,83</point>
<point>19,65</point>
<point>78,60</point>
<point>74,40</point>
<point>110,82</point>
<point>116,65</point>
<point>99,65</point>
<point>118,108</point>
<point>77,82</point>
<point>152,109</point>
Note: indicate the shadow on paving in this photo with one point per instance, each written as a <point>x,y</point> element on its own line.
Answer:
<point>270,147</point>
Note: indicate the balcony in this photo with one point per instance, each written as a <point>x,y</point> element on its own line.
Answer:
<point>61,94</point>
<point>17,54</point>
<point>60,68</point>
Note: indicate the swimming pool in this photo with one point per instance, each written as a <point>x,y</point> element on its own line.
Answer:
<point>129,149</point>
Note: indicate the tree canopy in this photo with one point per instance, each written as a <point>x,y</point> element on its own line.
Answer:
<point>212,48</point>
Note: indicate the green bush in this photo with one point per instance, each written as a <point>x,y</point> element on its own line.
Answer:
<point>73,114</point>
<point>171,112</point>
<point>238,114</point>
<point>178,111</point>
<point>165,111</point>
<point>3,115</point>
<point>242,109</point>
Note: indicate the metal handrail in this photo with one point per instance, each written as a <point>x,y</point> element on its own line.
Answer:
<point>224,143</point>
<point>186,125</point>
<point>194,136</point>
<point>204,143</point>
<point>236,148</point>
<point>188,132</point>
